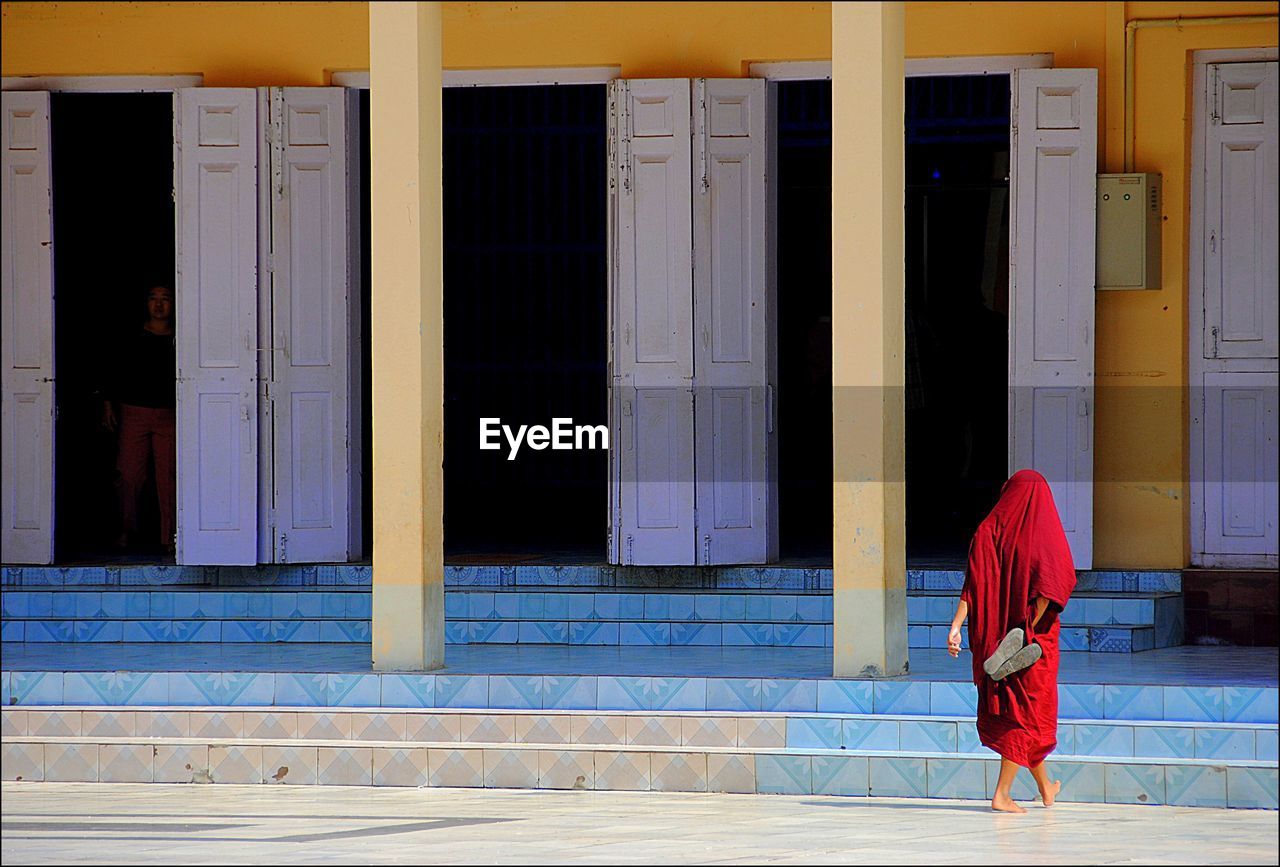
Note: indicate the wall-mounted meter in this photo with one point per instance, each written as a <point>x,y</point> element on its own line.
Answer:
<point>1129,227</point>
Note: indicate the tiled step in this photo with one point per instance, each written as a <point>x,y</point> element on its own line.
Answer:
<point>510,576</point>
<point>1091,622</point>
<point>867,733</point>
<point>1183,782</point>
<point>921,698</point>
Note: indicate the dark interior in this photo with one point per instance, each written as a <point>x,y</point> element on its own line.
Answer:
<point>957,265</point>
<point>113,238</point>
<point>525,315</point>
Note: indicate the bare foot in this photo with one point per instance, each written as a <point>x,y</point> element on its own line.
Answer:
<point>1051,795</point>
<point>1006,804</point>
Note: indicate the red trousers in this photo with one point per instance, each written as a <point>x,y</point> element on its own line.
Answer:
<point>147,435</point>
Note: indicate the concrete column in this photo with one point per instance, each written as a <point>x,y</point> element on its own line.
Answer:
<point>408,343</point>
<point>867,307</point>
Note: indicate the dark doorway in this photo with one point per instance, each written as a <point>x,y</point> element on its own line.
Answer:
<point>957,272</point>
<point>113,239</point>
<point>804,320</point>
<point>525,315</point>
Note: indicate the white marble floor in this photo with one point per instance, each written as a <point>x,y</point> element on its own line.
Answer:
<point>191,824</point>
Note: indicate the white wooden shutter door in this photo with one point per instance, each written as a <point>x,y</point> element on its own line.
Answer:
<point>1241,503</point>
<point>651,324</point>
<point>1053,187</point>
<point>1240,262</point>
<point>27,402</point>
<point>217,321</point>
<point>310,290</point>
<point>733,380</point>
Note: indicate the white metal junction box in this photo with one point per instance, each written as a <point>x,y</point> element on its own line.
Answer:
<point>1129,229</point>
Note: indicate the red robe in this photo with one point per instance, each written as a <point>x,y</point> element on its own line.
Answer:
<point>1019,552</point>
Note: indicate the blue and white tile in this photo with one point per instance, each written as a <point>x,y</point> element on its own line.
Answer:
<point>407,690</point>
<point>1082,782</point>
<point>1104,740</point>
<point>1073,638</point>
<point>1193,703</point>
<point>789,695</point>
<point>1133,702</point>
<point>1266,747</point>
<point>1135,784</point>
<point>841,775</point>
<point>870,734</point>
<point>116,688</point>
<point>569,692</point>
<point>898,777</point>
<point>354,690</point>
<point>555,606</point>
<point>455,690</point>
<point>968,742</point>
<point>301,690</point>
<point>543,632</point>
<point>821,733</point>
<point>734,693</point>
<point>35,688</point>
<point>678,693</point>
<point>1225,744</point>
<point>1252,788</point>
<point>623,693</point>
<point>810,609</point>
<point>1161,742</point>
<point>644,634</point>
<point>784,774</point>
<point>902,697</point>
<point>927,736</point>
<point>98,631</point>
<point>956,778</point>
<point>1112,639</point>
<point>689,634</point>
<point>1080,701</point>
<point>948,698</point>
<point>516,692</point>
<point>1243,704</point>
<point>844,696</point>
<point>221,688</point>
<point>1195,786</point>
<point>593,632</point>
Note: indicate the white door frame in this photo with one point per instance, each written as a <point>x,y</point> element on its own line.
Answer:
<point>102,83</point>
<point>1196,367</point>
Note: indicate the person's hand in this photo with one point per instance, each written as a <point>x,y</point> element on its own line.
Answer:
<point>108,416</point>
<point>953,641</point>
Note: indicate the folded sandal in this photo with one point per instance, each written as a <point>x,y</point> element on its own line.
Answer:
<point>1024,658</point>
<point>1009,645</point>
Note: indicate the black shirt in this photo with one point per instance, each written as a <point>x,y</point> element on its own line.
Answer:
<point>143,373</point>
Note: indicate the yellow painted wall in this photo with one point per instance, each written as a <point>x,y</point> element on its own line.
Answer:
<point>1140,504</point>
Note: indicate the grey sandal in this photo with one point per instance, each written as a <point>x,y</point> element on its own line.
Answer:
<point>1024,658</point>
<point>1009,645</point>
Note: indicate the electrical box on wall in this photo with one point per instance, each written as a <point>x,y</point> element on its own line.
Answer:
<point>1129,227</point>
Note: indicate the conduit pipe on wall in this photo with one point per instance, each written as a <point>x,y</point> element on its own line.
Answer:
<point>1130,61</point>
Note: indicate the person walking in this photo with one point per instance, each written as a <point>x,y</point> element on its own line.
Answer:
<point>1019,578</point>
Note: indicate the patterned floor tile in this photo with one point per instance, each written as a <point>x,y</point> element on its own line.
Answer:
<point>22,761</point>
<point>762,732</point>
<point>433,727</point>
<point>1104,740</point>
<point>728,772</point>
<point>1135,784</point>
<point>841,775</point>
<point>378,726</point>
<point>488,729</point>
<point>1224,743</point>
<point>109,723</point>
<point>1241,704</point>
<point>117,688</point>
<point>1082,782</point>
<point>456,768</point>
<point>598,729</point>
<point>70,763</point>
<point>709,731</point>
<point>400,766</point>
<point>901,698</point>
<point>822,733</point>
<point>959,778</point>
<point>232,763</point>
<point>462,691</point>
<point>569,693</point>
<point>296,765</point>
<point>181,763</point>
<point>54,723</point>
<point>898,777</point>
<point>927,737</point>
<point>733,693</point>
<point>1192,786</point>
<point>543,729</point>
<point>622,772</point>
<point>1193,703</point>
<point>354,690</point>
<point>844,696</point>
<point>323,725</point>
<point>222,688</point>
<point>1252,788</point>
<point>1160,742</point>
<point>510,769</point>
<point>270,724</point>
<point>678,772</point>
<point>870,734</point>
<point>345,766</point>
<point>1133,702</point>
<point>517,692</point>
<point>653,731</point>
<point>789,695</point>
<point>408,690</point>
<point>13,722</point>
<point>784,774</point>
<point>566,769</point>
<point>216,724</point>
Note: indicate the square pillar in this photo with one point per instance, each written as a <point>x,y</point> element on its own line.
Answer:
<point>407,336</point>
<point>867,311</point>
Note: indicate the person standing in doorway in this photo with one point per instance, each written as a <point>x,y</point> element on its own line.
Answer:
<point>139,402</point>
<point>1019,578</point>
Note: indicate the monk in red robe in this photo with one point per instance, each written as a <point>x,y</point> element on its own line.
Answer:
<point>1020,575</point>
